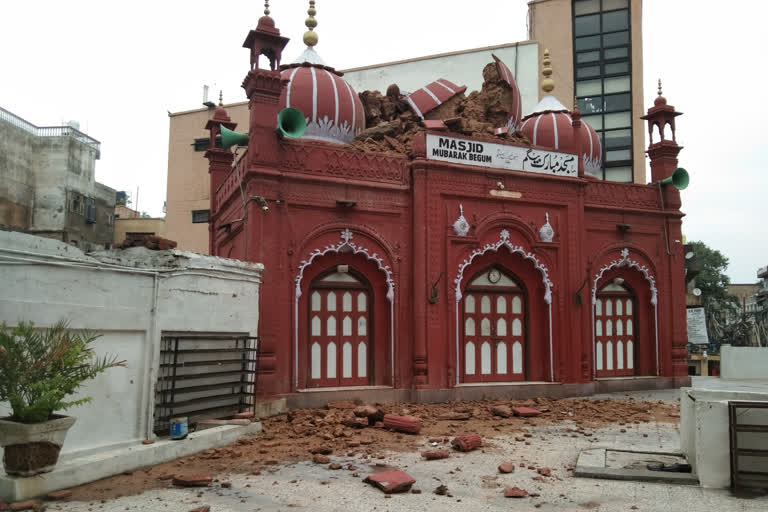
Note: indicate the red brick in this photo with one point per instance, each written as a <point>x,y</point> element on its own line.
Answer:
<point>525,412</point>
<point>507,467</point>
<point>59,495</point>
<point>515,492</point>
<point>434,125</point>
<point>391,481</point>
<point>192,480</point>
<point>407,424</point>
<point>204,508</point>
<point>544,471</point>
<point>467,443</point>
<point>501,410</point>
<point>436,454</point>
<point>27,505</point>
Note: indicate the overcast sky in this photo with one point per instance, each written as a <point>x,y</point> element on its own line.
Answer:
<point>119,67</point>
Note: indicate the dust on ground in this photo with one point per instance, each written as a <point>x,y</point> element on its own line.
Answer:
<point>294,436</point>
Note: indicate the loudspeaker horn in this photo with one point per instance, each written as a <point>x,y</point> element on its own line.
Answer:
<point>291,123</point>
<point>230,138</point>
<point>679,179</point>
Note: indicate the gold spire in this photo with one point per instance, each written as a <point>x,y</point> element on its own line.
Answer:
<point>547,85</point>
<point>221,98</point>
<point>266,7</point>
<point>310,37</point>
<point>659,86</point>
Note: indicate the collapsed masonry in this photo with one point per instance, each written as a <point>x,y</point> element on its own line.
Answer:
<point>391,122</point>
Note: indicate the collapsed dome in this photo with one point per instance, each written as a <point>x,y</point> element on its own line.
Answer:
<point>516,113</point>
<point>591,150</point>
<point>333,110</point>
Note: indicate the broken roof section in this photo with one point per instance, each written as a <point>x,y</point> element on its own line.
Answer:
<point>433,95</point>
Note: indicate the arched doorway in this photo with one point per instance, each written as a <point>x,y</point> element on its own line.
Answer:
<point>340,329</point>
<point>616,344</point>
<point>494,327</point>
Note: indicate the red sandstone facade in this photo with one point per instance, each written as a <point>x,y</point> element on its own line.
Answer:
<point>389,272</point>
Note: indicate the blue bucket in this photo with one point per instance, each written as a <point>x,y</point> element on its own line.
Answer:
<point>179,428</point>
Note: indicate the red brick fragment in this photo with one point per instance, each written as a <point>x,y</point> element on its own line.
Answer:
<point>502,411</point>
<point>321,459</point>
<point>204,508</point>
<point>391,481</point>
<point>192,480</point>
<point>525,412</point>
<point>373,414</point>
<point>434,125</point>
<point>436,454</point>
<point>27,505</point>
<point>544,471</point>
<point>58,495</point>
<point>355,422</point>
<point>515,492</point>
<point>407,424</point>
<point>467,443</point>
<point>507,467</point>
<point>455,416</point>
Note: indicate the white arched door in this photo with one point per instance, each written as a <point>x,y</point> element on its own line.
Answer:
<point>615,338</point>
<point>339,331</point>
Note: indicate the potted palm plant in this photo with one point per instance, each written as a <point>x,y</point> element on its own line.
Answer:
<point>40,368</point>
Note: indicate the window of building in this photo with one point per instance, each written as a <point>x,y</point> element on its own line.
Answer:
<point>204,143</point>
<point>200,216</point>
<point>603,79</point>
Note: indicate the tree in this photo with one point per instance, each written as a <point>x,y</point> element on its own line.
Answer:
<point>724,320</point>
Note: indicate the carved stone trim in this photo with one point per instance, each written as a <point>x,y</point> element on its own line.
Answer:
<point>626,261</point>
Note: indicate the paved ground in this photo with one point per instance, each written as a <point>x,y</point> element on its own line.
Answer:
<point>472,479</point>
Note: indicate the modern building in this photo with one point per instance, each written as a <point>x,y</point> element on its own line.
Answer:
<point>48,186</point>
<point>462,262</point>
<point>596,52</point>
<point>130,225</point>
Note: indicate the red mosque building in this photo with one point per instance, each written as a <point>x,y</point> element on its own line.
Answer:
<point>466,268</point>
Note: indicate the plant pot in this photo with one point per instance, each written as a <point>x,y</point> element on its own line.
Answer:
<point>33,448</point>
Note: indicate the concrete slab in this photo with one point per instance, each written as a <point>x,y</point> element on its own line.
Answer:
<point>81,470</point>
<point>629,465</point>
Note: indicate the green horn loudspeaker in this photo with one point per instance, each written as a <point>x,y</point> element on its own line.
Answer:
<point>679,179</point>
<point>291,123</point>
<point>230,138</point>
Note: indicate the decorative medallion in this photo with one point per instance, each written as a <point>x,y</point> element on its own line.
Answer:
<point>546,233</point>
<point>461,226</point>
<point>494,275</point>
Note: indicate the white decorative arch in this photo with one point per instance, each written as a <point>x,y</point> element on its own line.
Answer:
<point>344,245</point>
<point>626,261</point>
<point>514,249</point>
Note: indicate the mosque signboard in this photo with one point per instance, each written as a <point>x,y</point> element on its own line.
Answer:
<point>501,156</point>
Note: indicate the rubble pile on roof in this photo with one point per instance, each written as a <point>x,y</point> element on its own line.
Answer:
<point>391,122</point>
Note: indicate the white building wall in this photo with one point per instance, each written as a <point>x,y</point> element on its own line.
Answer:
<point>130,305</point>
<point>461,68</point>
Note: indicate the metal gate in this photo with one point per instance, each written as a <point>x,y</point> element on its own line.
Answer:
<point>748,422</point>
<point>204,376</point>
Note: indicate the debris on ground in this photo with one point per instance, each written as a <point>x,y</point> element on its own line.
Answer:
<point>153,242</point>
<point>515,492</point>
<point>507,467</point>
<point>192,480</point>
<point>436,454</point>
<point>302,433</point>
<point>406,424</point>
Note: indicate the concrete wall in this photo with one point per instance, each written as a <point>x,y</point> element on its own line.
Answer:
<point>17,195</point>
<point>743,362</point>
<point>188,181</point>
<point>131,297</point>
<point>461,68</point>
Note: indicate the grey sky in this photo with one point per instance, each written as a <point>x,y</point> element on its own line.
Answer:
<point>118,67</point>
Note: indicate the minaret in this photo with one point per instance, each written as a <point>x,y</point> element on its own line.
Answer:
<point>219,160</point>
<point>663,154</point>
<point>263,88</point>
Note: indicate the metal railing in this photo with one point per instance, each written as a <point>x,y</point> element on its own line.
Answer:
<point>49,131</point>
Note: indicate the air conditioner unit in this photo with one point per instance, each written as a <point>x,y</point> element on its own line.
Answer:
<point>90,217</point>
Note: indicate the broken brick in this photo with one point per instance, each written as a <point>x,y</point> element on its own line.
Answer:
<point>204,508</point>
<point>355,422</point>
<point>507,467</point>
<point>27,505</point>
<point>455,416</point>
<point>406,424</point>
<point>526,412</point>
<point>192,480</point>
<point>322,450</point>
<point>544,471</point>
<point>436,454</point>
<point>502,411</point>
<point>321,459</point>
<point>467,443</point>
<point>515,492</point>
<point>59,495</point>
<point>391,481</point>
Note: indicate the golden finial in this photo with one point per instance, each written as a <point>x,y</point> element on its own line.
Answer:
<point>221,98</point>
<point>310,37</point>
<point>659,86</point>
<point>266,7</point>
<point>547,85</point>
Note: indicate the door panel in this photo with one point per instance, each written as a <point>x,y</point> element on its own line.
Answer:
<point>615,341</point>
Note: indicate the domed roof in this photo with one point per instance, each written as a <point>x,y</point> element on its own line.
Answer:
<point>333,110</point>
<point>589,146</point>
<point>516,113</point>
<point>551,129</point>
